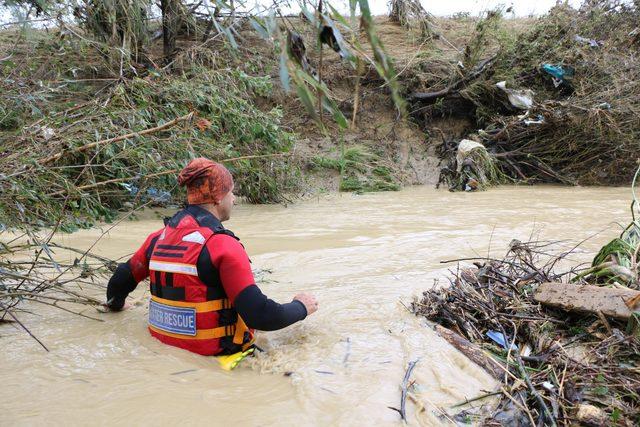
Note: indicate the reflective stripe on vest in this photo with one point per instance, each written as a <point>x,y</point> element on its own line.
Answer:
<point>237,331</point>
<point>173,267</point>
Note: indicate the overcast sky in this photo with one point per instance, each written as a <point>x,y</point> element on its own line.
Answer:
<point>449,7</point>
<point>436,7</point>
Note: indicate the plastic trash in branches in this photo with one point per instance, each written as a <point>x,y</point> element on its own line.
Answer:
<point>560,73</point>
<point>584,40</point>
<point>522,99</point>
<point>465,147</point>
<point>298,52</point>
<point>499,338</point>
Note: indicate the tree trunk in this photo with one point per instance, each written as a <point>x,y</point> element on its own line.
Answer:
<point>170,25</point>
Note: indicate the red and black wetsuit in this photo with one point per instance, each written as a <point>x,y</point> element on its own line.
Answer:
<point>201,280</point>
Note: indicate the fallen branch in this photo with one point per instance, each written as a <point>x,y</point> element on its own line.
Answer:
<point>24,327</point>
<point>472,351</point>
<point>405,385</point>
<point>86,147</point>
<point>157,174</point>
<point>456,86</point>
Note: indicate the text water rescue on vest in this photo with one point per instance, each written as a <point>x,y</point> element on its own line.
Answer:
<point>173,319</point>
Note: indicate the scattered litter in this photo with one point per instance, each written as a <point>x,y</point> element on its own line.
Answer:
<point>499,338</point>
<point>331,36</point>
<point>590,42</point>
<point>560,74</point>
<point>538,121</point>
<point>522,99</point>
<point>298,52</point>
<point>47,133</point>
<point>472,185</point>
<point>591,415</point>
<point>159,196</point>
<point>465,148</point>
<point>470,167</point>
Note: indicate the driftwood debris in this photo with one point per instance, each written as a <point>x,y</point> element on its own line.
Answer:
<point>611,302</point>
<point>472,351</point>
<point>542,381</point>
<point>431,97</point>
<point>405,387</point>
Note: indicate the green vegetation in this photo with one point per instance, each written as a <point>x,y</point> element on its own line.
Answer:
<point>360,170</point>
<point>82,186</point>
<point>95,120</point>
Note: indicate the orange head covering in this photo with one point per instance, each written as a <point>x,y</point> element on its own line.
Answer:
<point>206,181</point>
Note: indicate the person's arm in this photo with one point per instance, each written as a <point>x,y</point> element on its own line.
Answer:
<point>257,311</point>
<point>127,275</point>
<point>264,314</point>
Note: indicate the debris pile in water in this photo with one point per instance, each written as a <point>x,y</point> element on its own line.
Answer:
<point>556,366</point>
<point>31,270</point>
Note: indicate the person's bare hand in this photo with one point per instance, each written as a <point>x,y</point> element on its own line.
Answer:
<point>309,301</point>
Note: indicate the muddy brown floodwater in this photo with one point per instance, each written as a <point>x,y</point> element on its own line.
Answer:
<point>363,256</point>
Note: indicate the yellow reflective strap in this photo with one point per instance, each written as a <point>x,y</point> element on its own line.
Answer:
<point>200,307</point>
<point>229,362</point>
<point>201,334</point>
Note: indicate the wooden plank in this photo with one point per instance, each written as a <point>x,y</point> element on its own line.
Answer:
<point>611,302</point>
<point>472,351</point>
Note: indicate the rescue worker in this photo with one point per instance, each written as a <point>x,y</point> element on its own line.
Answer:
<point>203,295</point>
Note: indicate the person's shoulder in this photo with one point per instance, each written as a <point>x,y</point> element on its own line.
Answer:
<point>155,234</point>
<point>225,242</point>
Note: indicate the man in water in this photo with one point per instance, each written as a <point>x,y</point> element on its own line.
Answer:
<point>203,295</point>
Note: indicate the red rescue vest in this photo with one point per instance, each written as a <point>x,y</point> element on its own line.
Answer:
<point>189,308</point>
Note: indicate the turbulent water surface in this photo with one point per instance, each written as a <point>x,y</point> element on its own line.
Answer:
<point>363,256</point>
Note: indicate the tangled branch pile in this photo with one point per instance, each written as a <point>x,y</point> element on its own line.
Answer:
<point>590,132</point>
<point>31,270</point>
<point>584,69</point>
<point>559,367</point>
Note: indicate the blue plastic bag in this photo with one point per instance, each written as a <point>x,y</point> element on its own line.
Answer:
<point>559,73</point>
<point>500,339</point>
